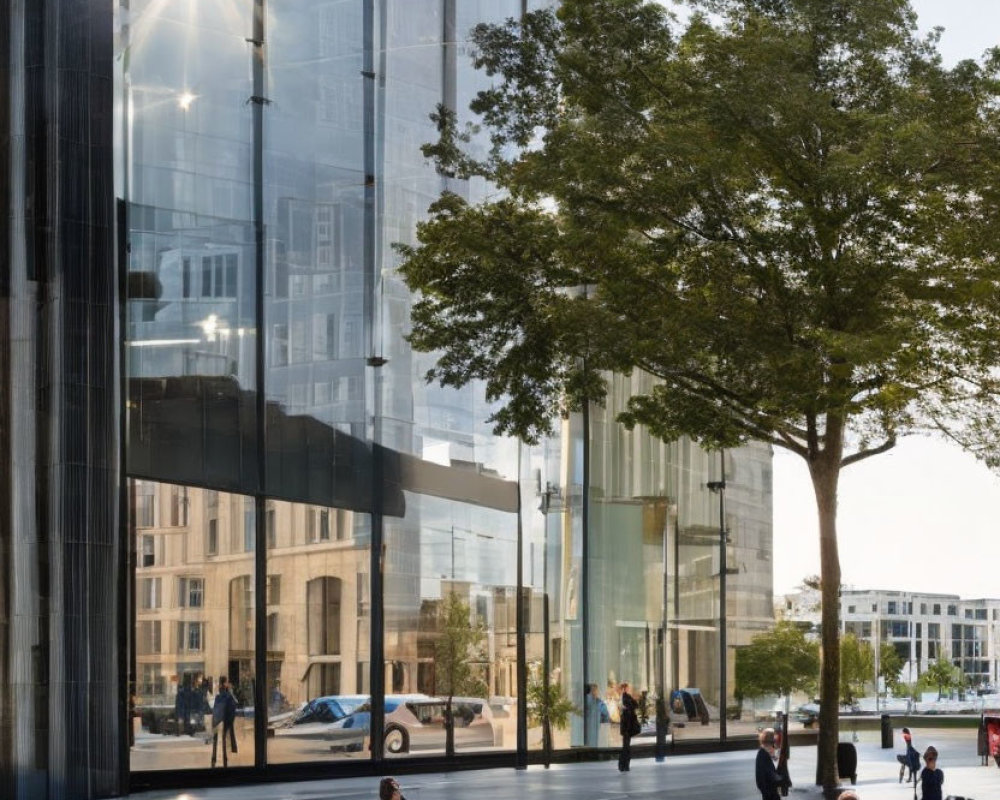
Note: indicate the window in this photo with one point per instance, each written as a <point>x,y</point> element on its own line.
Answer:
<point>923,609</point>
<point>148,551</point>
<point>968,613</point>
<point>241,611</point>
<point>850,609</point>
<point>874,608</point>
<point>937,610</point>
<point>891,607</point>
<point>323,610</point>
<point>279,345</point>
<point>899,629</point>
<point>149,593</point>
<point>189,637</point>
<point>186,277</point>
<point>273,590</point>
<point>364,606</point>
<point>191,592</point>
<point>212,538</point>
<point>934,630</point>
<point>178,506</point>
<point>272,529</point>
<point>145,504</point>
<point>148,638</point>
<point>273,636</point>
<point>249,525</point>
<point>151,681</point>
<point>952,611</point>
<point>318,525</point>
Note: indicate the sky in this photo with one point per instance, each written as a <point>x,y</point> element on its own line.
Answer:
<point>924,517</point>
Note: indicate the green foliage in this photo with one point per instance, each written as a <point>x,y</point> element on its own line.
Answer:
<point>786,212</point>
<point>890,665</point>
<point>554,703</point>
<point>941,675</point>
<point>857,667</point>
<point>780,661</point>
<point>459,645</point>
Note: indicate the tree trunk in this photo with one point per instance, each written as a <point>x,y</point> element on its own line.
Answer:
<point>449,729</point>
<point>825,472</point>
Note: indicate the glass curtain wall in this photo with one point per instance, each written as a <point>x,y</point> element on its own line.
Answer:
<point>268,375</point>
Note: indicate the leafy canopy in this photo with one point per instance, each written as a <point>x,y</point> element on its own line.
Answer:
<point>785,211</point>
<point>780,662</point>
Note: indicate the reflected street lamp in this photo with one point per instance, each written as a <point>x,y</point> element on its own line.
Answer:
<point>719,487</point>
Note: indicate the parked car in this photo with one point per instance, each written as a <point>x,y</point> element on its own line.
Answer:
<point>417,721</point>
<point>807,714</point>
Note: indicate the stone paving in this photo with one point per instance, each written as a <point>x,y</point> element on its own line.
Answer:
<point>715,776</point>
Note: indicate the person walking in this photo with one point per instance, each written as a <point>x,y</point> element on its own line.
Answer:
<point>931,778</point>
<point>769,778</point>
<point>628,725</point>
<point>910,759</point>
<point>223,720</point>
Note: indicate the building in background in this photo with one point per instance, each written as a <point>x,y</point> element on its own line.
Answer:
<point>221,457</point>
<point>923,627</point>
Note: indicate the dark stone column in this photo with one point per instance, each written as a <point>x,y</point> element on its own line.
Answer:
<point>61,591</point>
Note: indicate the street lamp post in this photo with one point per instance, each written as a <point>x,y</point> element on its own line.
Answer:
<point>719,487</point>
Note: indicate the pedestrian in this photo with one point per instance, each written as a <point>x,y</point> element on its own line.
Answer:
<point>628,725</point>
<point>769,778</point>
<point>388,789</point>
<point>223,720</point>
<point>931,778</point>
<point>910,759</point>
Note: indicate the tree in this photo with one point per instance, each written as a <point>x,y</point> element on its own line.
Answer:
<point>857,667</point>
<point>459,645</point>
<point>942,674</point>
<point>890,665</point>
<point>547,705</point>
<point>786,213</point>
<point>780,661</point>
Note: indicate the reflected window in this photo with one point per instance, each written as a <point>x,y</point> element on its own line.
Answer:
<point>241,613</point>
<point>148,638</point>
<point>178,506</point>
<point>145,504</point>
<point>189,637</point>
<point>323,608</point>
<point>212,538</point>
<point>149,593</point>
<point>273,590</point>
<point>190,592</point>
<point>148,551</point>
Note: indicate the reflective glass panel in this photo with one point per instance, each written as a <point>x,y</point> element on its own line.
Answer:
<point>194,628</point>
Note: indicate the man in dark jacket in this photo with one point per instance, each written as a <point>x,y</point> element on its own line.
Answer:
<point>769,779</point>
<point>628,725</point>
<point>223,720</point>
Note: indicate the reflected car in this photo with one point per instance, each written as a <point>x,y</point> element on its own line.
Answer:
<point>311,720</point>
<point>417,722</point>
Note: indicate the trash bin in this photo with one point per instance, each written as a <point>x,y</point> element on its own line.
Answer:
<point>847,761</point>
<point>886,733</point>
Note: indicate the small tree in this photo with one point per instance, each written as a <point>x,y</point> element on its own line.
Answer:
<point>459,645</point>
<point>780,661</point>
<point>942,675</point>
<point>857,667</point>
<point>547,706</point>
<point>890,666</point>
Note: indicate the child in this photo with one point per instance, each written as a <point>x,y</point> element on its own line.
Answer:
<point>931,778</point>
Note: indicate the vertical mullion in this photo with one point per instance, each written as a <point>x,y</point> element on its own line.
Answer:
<point>258,101</point>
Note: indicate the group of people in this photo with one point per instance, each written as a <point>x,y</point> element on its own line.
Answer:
<point>770,780</point>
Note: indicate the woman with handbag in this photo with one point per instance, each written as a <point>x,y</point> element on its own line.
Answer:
<point>629,726</point>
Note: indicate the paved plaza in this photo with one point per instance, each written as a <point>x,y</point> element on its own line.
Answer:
<point>714,776</point>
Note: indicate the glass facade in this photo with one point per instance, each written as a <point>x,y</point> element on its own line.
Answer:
<point>373,573</point>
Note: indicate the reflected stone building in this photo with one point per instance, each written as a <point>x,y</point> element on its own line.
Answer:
<point>221,457</point>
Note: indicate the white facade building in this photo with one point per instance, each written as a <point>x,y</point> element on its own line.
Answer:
<point>922,627</point>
